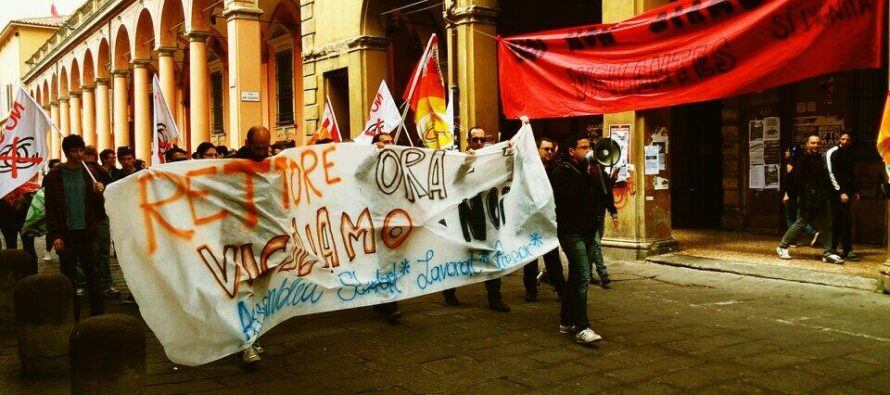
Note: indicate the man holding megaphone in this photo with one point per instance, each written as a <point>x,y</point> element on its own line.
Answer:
<point>583,193</point>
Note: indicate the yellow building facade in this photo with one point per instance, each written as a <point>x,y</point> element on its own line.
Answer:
<point>226,65</point>
<point>19,40</point>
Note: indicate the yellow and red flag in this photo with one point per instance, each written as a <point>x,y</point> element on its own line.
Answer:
<point>426,96</point>
<point>884,136</point>
<point>328,129</point>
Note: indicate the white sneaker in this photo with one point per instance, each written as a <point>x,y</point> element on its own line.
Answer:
<point>566,329</point>
<point>587,336</point>
<point>47,257</point>
<point>833,258</point>
<point>783,253</point>
<point>250,356</point>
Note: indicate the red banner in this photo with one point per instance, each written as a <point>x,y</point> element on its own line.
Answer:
<point>686,51</point>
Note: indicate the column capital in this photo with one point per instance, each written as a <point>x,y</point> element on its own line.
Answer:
<point>241,12</point>
<point>120,73</point>
<point>73,94</point>
<point>63,99</point>
<point>474,14</point>
<point>165,51</point>
<point>45,107</point>
<point>53,103</point>
<point>102,81</point>
<point>140,63</point>
<point>197,35</point>
<point>88,87</point>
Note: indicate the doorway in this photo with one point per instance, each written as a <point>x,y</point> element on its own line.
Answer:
<point>696,165</point>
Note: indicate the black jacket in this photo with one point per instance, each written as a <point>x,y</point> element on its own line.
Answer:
<point>811,182</point>
<point>841,170</point>
<point>581,199</point>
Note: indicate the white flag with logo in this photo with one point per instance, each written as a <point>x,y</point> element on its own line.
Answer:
<point>384,116</point>
<point>22,142</point>
<point>165,130</point>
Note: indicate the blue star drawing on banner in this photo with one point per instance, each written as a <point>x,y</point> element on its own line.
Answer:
<point>536,239</point>
<point>404,267</point>
<point>483,257</point>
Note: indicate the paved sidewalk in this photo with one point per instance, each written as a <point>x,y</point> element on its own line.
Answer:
<point>665,329</point>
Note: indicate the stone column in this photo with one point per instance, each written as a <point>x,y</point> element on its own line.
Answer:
<point>75,124</point>
<point>644,212</point>
<point>108,356</point>
<point>141,111</point>
<point>121,121</point>
<point>103,115</point>
<point>475,21</point>
<point>245,70</point>
<point>64,117</point>
<point>89,115</point>
<point>167,77</point>
<point>54,139</point>
<point>199,90</point>
<point>44,313</point>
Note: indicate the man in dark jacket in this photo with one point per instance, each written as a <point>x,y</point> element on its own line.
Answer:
<point>257,144</point>
<point>842,171</point>
<point>74,207</point>
<point>552,262</point>
<point>814,191</point>
<point>579,202</point>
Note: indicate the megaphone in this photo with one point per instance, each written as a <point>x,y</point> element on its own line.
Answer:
<point>606,152</point>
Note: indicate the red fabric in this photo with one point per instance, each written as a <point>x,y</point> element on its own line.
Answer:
<point>53,11</point>
<point>684,52</point>
<point>425,76</point>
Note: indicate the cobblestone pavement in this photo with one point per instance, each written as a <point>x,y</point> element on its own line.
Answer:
<point>665,329</point>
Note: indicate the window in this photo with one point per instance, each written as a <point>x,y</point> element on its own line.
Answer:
<point>216,106</point>
<point>284,81</point>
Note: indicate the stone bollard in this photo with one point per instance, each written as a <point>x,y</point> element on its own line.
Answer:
<point>14,266</point>
<point>108,356</point>
<point>44,312</point>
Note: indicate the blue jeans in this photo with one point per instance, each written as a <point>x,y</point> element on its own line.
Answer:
<point>580,251</point>
<point>597,258</point>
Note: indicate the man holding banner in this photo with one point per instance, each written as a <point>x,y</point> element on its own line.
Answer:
<point>74,208</point>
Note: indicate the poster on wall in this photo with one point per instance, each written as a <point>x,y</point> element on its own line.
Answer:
<point>652,154</point>
<point>621,135</point>
<point>771,177</point>
<point>771,128</point>
<point>755,130</point>
<point>772,152</point>
<point>756,152</point>
<point>756,178</point>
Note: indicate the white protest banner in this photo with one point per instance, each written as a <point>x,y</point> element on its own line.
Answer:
<point>384,116</point>
<point>220,251</point>
<point>165,130</point>
<point>22,142</point>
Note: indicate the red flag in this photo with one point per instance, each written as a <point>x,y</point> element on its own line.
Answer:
<point>426,95</point>
<point>53,11</point>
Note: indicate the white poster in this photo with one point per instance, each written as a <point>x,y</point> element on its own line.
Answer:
<point>756,178</point>
<point>771,128</point>
<point>652,159</point>
<point>621,135</point>
<point>23,148</point>
<point>755,152</point>
<point>221,251</point>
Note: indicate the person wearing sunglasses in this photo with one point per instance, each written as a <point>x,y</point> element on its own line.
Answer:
<point>476,140</point>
